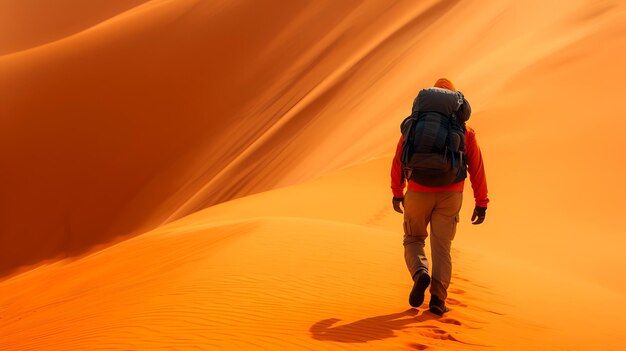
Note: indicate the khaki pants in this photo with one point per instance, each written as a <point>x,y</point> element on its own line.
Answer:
<point>441,210</point>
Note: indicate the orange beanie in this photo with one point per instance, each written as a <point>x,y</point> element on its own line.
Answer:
<point>444,83</point>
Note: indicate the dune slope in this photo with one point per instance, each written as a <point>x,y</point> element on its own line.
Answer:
<point>322,275</point>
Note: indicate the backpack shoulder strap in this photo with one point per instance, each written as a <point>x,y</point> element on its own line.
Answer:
<point>408,130</point>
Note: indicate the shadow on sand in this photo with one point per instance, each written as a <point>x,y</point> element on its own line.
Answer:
<point>368,329</point>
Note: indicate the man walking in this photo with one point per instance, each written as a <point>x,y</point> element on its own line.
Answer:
<point>434,154</point>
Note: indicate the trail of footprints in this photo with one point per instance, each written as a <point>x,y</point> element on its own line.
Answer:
<point>379,216</point>
<point>437,333</point>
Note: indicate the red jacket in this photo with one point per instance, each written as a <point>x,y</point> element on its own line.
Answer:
<point>475,169</point>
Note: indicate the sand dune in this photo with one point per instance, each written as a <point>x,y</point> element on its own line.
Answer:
<point>157,98</point>
<point>178,105</point>
<point>183,124</point>
<point>316,276</point>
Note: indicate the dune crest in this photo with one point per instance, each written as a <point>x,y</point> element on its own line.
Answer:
<point>26,24</point>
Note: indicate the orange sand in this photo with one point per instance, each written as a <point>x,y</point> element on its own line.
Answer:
<point>215,174</point>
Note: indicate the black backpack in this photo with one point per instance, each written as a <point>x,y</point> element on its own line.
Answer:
<point>433,153</point>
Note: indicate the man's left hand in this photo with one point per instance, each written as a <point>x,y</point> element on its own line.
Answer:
<point>479,215</point>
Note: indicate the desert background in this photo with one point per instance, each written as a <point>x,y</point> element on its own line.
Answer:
<point>214,174</point>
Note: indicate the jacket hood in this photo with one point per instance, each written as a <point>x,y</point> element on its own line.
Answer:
<point>444,83</point>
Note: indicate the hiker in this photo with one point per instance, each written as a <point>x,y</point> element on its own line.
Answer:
<point>439,152</point>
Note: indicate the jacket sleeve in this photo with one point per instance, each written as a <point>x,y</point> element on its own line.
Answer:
<point>397,175</point>
<point>476,168</point>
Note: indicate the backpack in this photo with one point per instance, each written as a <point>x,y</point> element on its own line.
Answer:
<point>433,153</point>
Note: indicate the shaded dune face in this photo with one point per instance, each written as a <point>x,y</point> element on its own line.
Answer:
<point>169,108</point>
<point>175,106</point>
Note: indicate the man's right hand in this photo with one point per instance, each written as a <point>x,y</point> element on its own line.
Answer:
<point>398,204</point>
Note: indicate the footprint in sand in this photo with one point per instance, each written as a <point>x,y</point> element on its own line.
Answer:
<point>455,302</point>
<point>456,291</point>
<point>450,321</point>
<point>418,346</point>
<point>437,333</point>
<point>458,277</point>
<point>378,216</point>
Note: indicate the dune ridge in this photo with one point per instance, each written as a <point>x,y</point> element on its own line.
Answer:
<point>125,182</point>
<point>55,20</point>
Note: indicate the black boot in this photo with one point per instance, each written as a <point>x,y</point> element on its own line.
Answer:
<point>421,282</point>
<point>437,306</point>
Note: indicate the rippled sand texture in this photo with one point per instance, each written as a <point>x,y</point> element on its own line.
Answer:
<point>303,267</point>
<point>214,174</point>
